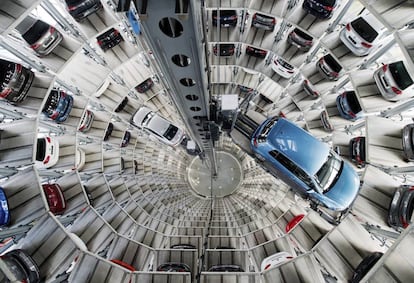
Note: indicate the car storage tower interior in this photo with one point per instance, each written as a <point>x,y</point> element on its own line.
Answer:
<point>133,203</point>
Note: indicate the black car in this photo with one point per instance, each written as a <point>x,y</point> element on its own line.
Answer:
<point>80,9</point>
<point>228,18</point>
<point>408,142</point>
<point>357,151</point>
<point>348,106</point>
<point>122,105</point>
<point>264,22</point>
<point>109,39</point>
<point>365,265</point>
<point>401,207</point>
<point>108,131</point>
<point>126,139</point>
<point>145,86</point>
<point>226,268</point>
<point>22,266</point>
<point>15,81</point>
<point>256,52</point>
<point>322,9</point>
<point>174,267</point>
<point>224,49</point>
<point>300,39</point>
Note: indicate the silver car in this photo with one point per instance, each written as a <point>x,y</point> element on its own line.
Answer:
<point>40,36</point>
<point>394,82</point>
<point>165,131</point>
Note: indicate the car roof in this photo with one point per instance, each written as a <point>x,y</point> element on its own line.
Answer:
<point>298,145</point>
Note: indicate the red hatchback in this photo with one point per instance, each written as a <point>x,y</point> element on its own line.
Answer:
<point>55,198</point>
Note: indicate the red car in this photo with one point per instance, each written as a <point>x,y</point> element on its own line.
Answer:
<point>55,198</point>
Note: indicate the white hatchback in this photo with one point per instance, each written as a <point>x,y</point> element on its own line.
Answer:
<point>362,34</point>
<point>47,152</point>
<point>165,131</point>
<point>282,67</point>
<point>275,260</point>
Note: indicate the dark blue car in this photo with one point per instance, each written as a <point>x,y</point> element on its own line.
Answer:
<point>4,209</point>
<point>58,105</point>
<point>305,163</point>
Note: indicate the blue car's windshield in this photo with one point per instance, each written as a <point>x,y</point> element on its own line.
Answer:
<point>328,173</point>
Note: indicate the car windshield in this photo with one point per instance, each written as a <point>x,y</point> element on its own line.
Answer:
<point>364,29</point>
<point>170,132</point>
<point>302,34</point>
<point>353,102</point>
<point>147,119</point>
<point>266,129</point>
<point>400,75</point>
<point>329,172</point>
<point>330,60</point>
<point>36,31</point>
<point>41,149</point>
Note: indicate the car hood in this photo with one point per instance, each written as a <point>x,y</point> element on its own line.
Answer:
<point>345,189</point>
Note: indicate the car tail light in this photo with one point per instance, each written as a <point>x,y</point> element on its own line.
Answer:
<point>281,114</point>
<point>328,8</point>
<point>267,266</point>
<point>350,113</point>
<point>396,90</point>
<point>46,161</point>
<point>19,68</point>
<point>48,139</point>
<point>52,29</point>
<point>255,143</point>
<point>367,45</point>
<point>5,92</point>
<point>385,68</point>
<point>81,128</point>
<point>233,17</point>
<point>289,257</point>
<point>72,8</point>
<point>54,115</point>
<point>99,43</point>
<point>411,188</point>
<point>35,46</point>
<point>335,74</point>
<point>254,16</point>
<point>348,27</point>
<point>308,42</point>
<point>274,21</point>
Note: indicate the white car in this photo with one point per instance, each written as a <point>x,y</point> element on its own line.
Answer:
<point>79,158</point>
<point>275,260</point>
<point>362,35</point>
<point>47,152</point>
<point>165,131</point>
<point>282,67</point>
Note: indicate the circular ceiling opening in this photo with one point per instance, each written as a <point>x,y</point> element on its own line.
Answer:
<point>181,60</point>
<point>195,108</point>
<point>171,27</point>
<point>187,82</point>
<point>192,97</point>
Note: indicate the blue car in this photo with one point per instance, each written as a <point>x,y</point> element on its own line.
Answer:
<point>4,209</point>
<point>305,163</point>
<point>348,106</point>
<point>58,105</point>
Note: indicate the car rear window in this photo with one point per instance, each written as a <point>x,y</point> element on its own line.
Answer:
<point>41,149</point>
<point>330,60</point>
<point>364,29</point>
<point>52,102</point>
<point>353,102</point>
<point>400,75</point>
<point>36,31</point>
<point>170,132</point>
<point>327,2</point>
<point>225,13</point>
<point>6,72</point>
<point>302,34</point>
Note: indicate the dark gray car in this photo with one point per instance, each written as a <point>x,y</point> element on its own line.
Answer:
<point>401,207</point>
<point>408,142</point>
<point>262,21</point>
<point>15,81</point>
<point>300,39</point>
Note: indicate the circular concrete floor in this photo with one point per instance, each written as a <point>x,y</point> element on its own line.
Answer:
<point>229,175</point>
